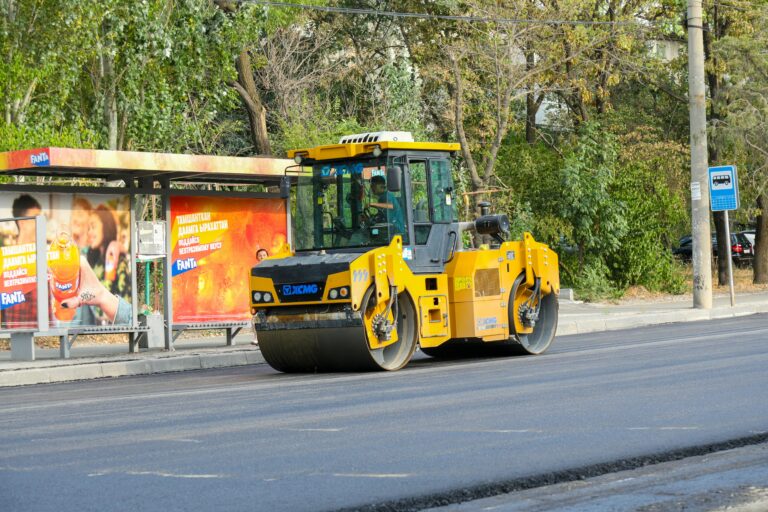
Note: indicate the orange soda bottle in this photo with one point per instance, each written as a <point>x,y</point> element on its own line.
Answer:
<point>64,268</point>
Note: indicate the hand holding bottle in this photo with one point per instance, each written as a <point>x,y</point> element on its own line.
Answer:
<point>92,292</point>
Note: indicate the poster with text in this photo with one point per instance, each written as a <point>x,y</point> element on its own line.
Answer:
<point>215,242</point>
<point>88,259</point>
<point>18,288</point>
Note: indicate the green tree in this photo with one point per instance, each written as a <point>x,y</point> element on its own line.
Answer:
<point>588,174</point>
<point>157,73</point>
<point>43,46</point>
<point>651,182</point>
<point>741,131</point>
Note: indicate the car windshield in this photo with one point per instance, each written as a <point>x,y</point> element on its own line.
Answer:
<point>346,204</point>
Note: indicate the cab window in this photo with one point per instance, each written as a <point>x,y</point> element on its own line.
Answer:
<point>441,191</point>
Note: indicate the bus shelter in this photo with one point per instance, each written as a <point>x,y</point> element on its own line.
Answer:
<point>95,216</point>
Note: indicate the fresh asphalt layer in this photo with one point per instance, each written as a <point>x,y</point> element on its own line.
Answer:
<point>731,479</point>
<point>433,434</point>
<point>113,360</point>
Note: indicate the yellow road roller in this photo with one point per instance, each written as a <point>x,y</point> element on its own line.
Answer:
<point>378,266</point>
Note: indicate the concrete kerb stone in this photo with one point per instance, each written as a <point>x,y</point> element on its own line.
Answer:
<point>176,364</point>
<point>76,372</point>
<point>111,369</point>
<point>573,325</point>
<point>224,360</point>
<point>254,357</point>
<point>25,377</point>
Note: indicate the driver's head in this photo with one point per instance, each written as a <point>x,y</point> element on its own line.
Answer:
<point>378,184</point>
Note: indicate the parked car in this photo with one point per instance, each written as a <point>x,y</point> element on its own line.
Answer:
<point>742,250</point>
<point>750,234</point>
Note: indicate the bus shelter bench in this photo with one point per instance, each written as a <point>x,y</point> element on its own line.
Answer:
<point>23,340</point>
<point>68,336</point>
<point>231,328</point>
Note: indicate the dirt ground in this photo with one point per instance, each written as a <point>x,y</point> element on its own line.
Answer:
<point>742,283</point>
<point>742,280</point>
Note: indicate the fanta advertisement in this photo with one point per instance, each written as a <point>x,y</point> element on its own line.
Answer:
<point>19,275</point>
<point>88,248</point>
<point>215,241</point>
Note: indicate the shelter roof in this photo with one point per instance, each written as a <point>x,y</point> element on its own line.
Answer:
<point>94,163</point>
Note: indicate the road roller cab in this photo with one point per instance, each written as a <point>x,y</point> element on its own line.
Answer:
<point>377,266</point>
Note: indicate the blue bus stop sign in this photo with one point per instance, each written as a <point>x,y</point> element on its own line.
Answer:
<point>723,188</point>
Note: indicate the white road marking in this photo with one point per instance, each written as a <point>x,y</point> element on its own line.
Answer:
<point>314,429</point>
<point>512,431</point>
<point>663,428</point>
<point>372,475</point>
<point>155,473</point>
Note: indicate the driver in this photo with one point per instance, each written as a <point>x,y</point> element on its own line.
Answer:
<point>386,200</point>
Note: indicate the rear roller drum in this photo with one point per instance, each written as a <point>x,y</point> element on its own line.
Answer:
<point>528,305</point>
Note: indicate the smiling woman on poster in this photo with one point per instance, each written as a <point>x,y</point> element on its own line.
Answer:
<point>106,271</point>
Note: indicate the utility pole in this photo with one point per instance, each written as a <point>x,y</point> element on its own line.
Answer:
<point>700,230</point>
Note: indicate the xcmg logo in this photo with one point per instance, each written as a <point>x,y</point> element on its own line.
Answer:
<point>290,290</point>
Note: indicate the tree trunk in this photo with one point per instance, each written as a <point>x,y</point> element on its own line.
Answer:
<point>531,108</point>
<point>110,101</point>
<point>257,114</point>
<point>713,81</point>
<point>761,242</point>
<point>530,118</point>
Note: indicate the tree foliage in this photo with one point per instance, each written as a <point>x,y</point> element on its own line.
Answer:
<point>572,114</point>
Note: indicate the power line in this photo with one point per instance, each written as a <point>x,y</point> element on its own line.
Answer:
<point>424,16</point>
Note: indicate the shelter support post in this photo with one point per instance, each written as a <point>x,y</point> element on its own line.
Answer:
<point>64,346</point>
<point>22,346</point>
<point>167,297</point>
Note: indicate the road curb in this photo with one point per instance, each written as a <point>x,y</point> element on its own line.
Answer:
<point>110,369</point>
<point>612,323</point>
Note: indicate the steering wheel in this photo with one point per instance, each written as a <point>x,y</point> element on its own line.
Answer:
<point>372,215</point>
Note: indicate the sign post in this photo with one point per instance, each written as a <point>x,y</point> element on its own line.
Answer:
<point>724,196</point>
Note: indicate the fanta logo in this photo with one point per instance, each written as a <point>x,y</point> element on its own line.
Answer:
<point>63,286</point>
<point>9,299</point>
<point>299,289</point>
<point>40,160</point>
<point>181,266</point>
<point>359,276</point>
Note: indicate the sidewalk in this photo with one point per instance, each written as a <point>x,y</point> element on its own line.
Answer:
<point>113,360</point>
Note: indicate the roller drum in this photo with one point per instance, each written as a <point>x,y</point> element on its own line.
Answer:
<point>331,339</point>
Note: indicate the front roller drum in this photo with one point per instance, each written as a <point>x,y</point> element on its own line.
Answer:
<point>326,339</point>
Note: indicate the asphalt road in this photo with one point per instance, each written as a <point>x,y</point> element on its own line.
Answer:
<point>249,438</point>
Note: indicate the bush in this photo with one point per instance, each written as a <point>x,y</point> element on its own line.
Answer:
<point>593,283</point>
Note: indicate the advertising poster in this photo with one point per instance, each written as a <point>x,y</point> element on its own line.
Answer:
<point>215,242</point>
<point>18,288</point>
<point>88,257</point>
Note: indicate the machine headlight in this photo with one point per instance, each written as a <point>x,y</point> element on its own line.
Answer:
<point>267,297</point>
<point>338,293</point>
<point>256,296</point>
